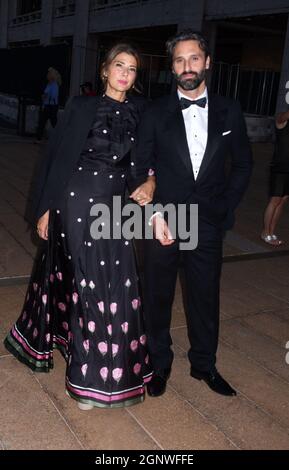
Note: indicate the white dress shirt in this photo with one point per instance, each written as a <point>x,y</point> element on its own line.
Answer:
<point>196,124</point>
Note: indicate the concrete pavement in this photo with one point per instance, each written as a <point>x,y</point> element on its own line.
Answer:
<point>35,413</point>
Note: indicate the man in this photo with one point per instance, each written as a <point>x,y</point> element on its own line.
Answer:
<point>186,138</point>
<point>86,89</point>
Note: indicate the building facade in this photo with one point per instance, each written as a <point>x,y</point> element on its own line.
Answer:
<point>249,40</point>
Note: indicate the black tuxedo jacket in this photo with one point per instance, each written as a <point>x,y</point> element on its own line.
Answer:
<point>226,167</point>
<point>63,151</point>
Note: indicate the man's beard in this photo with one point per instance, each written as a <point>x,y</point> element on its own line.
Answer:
<point>190,83</point>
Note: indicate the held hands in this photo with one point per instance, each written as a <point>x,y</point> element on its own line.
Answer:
<point>42,226</point>
<point>161,231</point>
<point>144,193</point>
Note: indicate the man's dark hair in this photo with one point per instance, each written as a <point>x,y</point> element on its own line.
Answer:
<point>187,35</point>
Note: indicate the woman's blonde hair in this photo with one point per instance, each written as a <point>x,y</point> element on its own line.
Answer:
<point>113,53</point>
<point>56,75</point>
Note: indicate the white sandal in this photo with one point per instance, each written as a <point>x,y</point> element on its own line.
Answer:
<point>271,240</point>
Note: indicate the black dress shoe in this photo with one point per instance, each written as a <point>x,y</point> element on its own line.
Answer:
<point>157,385</point>
<point>215,381</point>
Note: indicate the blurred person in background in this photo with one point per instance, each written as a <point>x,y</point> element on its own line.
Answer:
<point>86,89</point>
<point>50,102</point>
<point>279,181</point>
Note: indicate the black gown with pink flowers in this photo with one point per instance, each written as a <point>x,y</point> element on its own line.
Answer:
<point>83,296</point>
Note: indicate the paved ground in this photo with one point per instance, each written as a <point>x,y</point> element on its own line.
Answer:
<point>35,413</point>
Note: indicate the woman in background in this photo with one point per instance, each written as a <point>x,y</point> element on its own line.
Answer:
<point>279,181</point>
<point>50,101</point>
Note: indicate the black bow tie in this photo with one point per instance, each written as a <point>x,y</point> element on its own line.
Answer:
<point>187,103</point>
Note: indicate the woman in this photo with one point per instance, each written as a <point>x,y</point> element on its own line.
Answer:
<point>83,296</point>
<point>279,181</point>
<point>50,101</point>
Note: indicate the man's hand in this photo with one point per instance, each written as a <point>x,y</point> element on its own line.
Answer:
<point>42,226</point>
<point>161,231</point>
<point>144,193</point>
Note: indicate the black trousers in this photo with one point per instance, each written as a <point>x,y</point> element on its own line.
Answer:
<point>201,272</point>
<point>48,113</point>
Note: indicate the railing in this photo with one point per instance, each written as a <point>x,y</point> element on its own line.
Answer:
<point>103,4</point>
<point>26,19</point>
<point>64,8</point>
<point>255,89</point>
<point>155,75</point>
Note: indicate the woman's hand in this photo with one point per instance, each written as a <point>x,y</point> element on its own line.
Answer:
<point>42,226</point>
<point>144,193</point>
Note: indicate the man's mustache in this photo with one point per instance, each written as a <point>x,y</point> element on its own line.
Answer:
<point>183,75</point>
